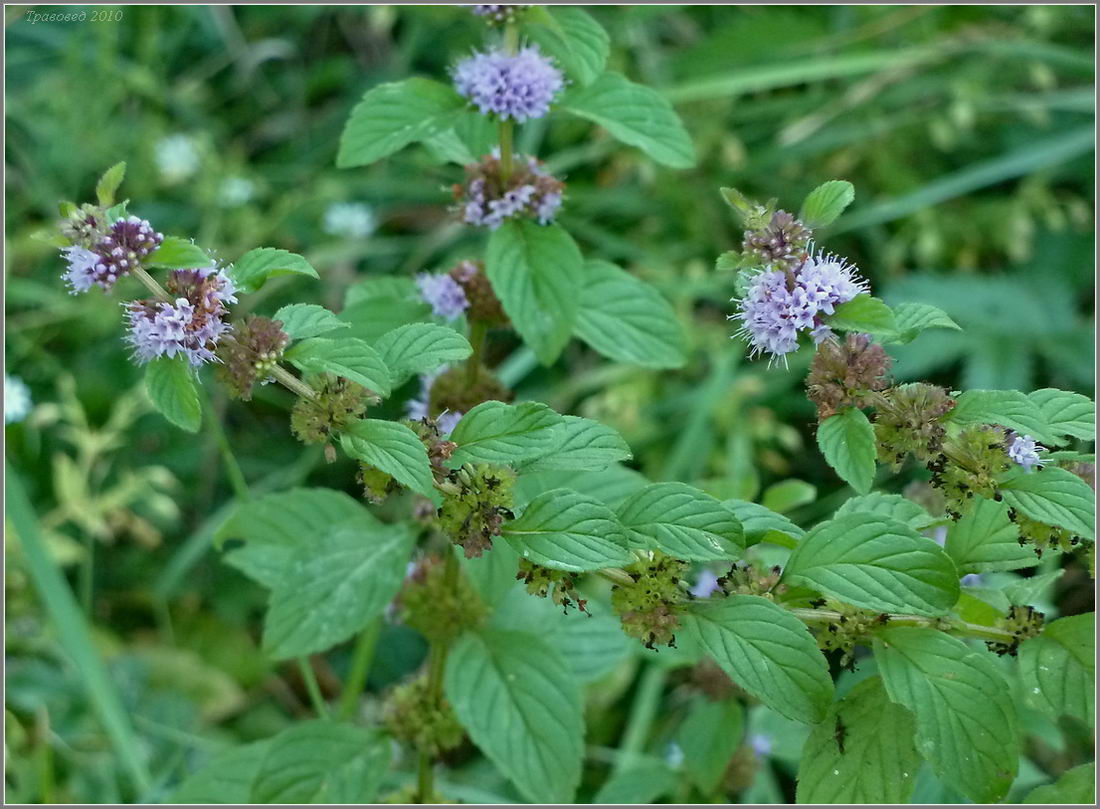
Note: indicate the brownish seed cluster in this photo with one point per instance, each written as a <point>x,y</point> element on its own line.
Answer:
<point>249,352</point>
<point>338,402</point>
<point>484,304</point>
<point>908,418</point>
<point>843,373</point>
<point>452,392</point>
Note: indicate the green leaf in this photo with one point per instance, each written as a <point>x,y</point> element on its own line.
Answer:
<point>628,320</point>
<point>986,539</point>
<point>766,651</point>
<point>333,585</point>
<point>393,448</point>
<point>682,521</point>
<point>593,645</point>
<point>170,383</point>
<point>582,445</point>
<point>1058,671</point>
<point>273,527</point>
<point>567,530</point>
<point>913,318</point>
<point>372,318</point>
<point>639,784</point>
<point>864,313</point>
<point>1054,496</point>
<point>472,136</point>
<point>879,761</point>
<point>494,432</point>
<point>521,705</point>
<point>304,320</point>
<point>876,563</point>
<point>175,253</point>
<point>893,506</point>
<point>709,736</point>
<point>789,494</point>
<point>966,721</point>
<point>227,778</point>
<point>108,184</point>
<point>1074,786</point>
<point>826,202</point>
<point>576,41</point>
<point>1009,408</point>
<point>320,761</point>
<point>536,271</point>
<point>847,441</point>
<point>391,116</point>
<point>758,522</point>
<point>255,267</point>
<point>1066,413</point>
<point>636,115</point>
<point>417,348</point>
<point>348,357</point>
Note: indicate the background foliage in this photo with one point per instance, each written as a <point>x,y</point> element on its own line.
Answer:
<point>967,132</point>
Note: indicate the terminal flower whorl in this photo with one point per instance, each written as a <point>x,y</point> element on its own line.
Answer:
<point>516,86</point>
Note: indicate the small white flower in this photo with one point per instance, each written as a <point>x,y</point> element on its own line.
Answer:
<point>235,192</point>
<point>17,399</point>
<point>177,158</point>
<point>353,220</point>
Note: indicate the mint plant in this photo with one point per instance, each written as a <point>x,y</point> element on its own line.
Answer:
<point>502,531</point>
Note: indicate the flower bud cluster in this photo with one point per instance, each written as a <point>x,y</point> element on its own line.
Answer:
<point>498,15</point>
<point>908,418</point>
<point>650,607</point>
<point>102,253</point>
<point>970,463</point>
<point>781,244</point>
<point>338,402</point>
<point>487,198</point>
<point>1023,622</point>
<point>439,608</point>
<point>843,373</point>
<point>477,500</point>
<point>249,353</point>
<point>191,325</point>
<point>414,717</point>
<point>558,585</point>
<point>748,579</point>
<point>853,627</point>
<point>484,305</point>
<point>1042,536</point>
<point>451,391</point>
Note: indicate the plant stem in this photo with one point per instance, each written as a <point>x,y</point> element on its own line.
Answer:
<point>150,283</point>
<point>437,665</point>
<point>478,329</point>
<point>506,128</point>
<point>232,467</point>
<point>643,709</point>
<point>952,626</point>
<point>361,658</point>
<point>87,574</point>
<point>292,383</point>
<point>313,688</point>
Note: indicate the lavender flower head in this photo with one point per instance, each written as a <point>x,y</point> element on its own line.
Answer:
<point>114,254</point>
<point>497,14</point>
<point>488,200</point>
<point>443,293</point>
<point>516,86</point>
<point>189,325</point>
<point>761,744</point>
<point>1024,451</point>
<point>778,306</point>
<point>706,585</point>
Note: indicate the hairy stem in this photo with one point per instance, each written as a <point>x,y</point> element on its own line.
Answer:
<point>437,664</point>
<point>313,688</point>
<point>950,625</point>
<point>506,128</point>
<point>478,328</point>
<point>361,658</point>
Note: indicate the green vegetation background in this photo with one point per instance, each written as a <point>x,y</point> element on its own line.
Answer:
<point>967,132</point>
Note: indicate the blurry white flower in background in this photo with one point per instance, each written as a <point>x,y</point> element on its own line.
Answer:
<point>177,158</point>
<point>353,220</point>
<point>236,191</point>
<point>17,399</point>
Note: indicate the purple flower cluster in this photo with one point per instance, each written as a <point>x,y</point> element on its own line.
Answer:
<point>112,256</point>
<point>190,325</point>
<point>488,200</point>
<point>779,305</point>
<point>497,14</point>
<point>443,293</point>
<point>417,409</point>
<point>1024,451</point>
<point>517,86</point>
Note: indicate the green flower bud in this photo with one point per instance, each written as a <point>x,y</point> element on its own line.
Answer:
<point>558,585</point>
<point>413,717</point>
<point>1023,622</point>
<point>477,500</point>
<point>650,608</point>
<point>854,626</point>
<point>908,419</point>
<point>970,463</point>
<point>452,392</point>
<point>439,609</point>
<point>747,579</point>
<point>338,402</point>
